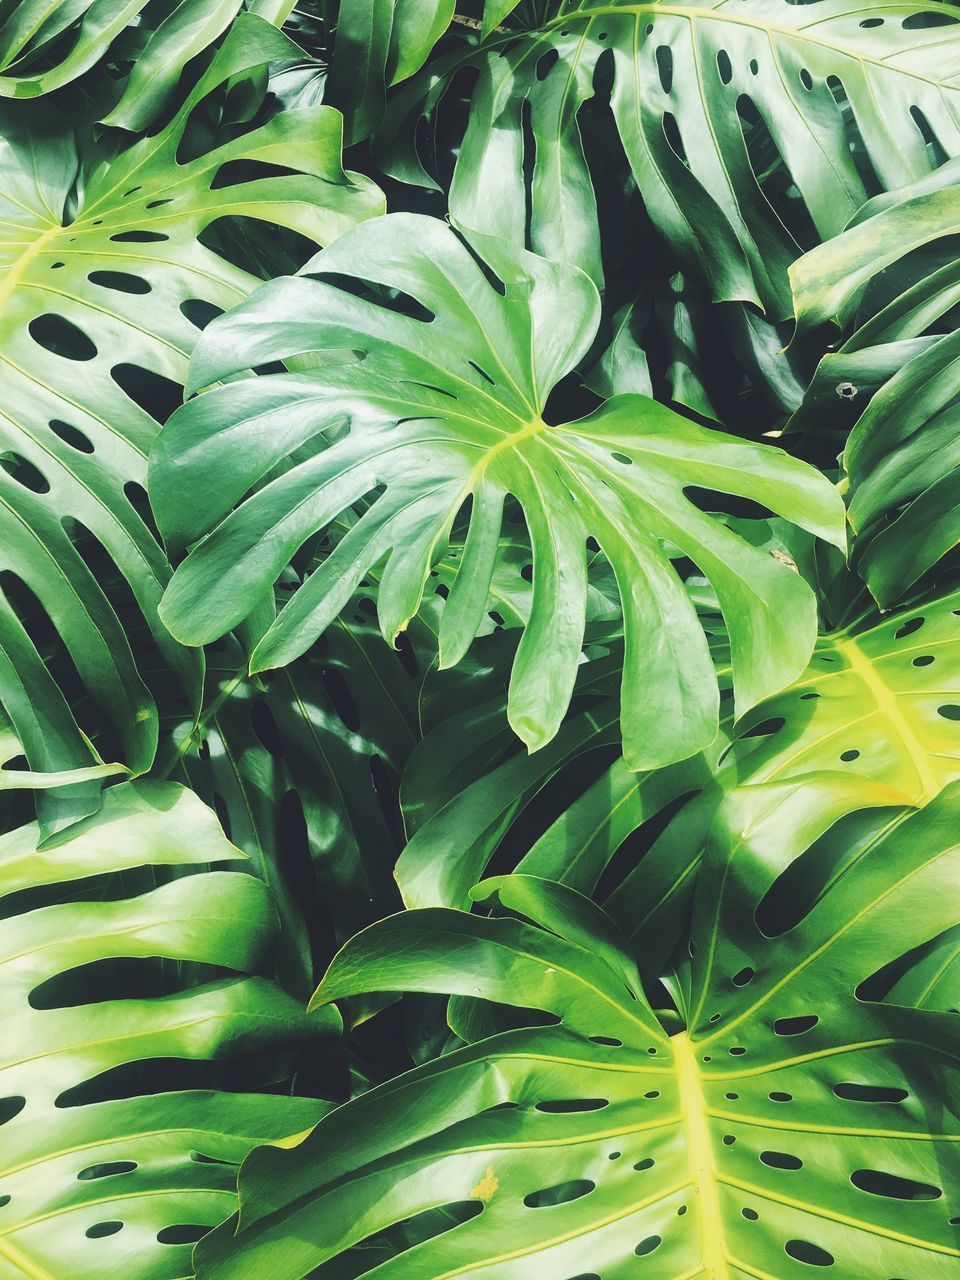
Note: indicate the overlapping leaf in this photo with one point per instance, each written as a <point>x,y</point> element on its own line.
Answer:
<point>707,100</point>
<point>445,408</point>
<point>45,44</point>
<point>378,43</point>
<point>303,771</point>
<point>892,279</point>
<point>880,699</point>
<point>99,1179</point>
<point>792,1123</point>
<point>101,309</point>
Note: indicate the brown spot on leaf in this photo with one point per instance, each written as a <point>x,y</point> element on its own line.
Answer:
<point>784,559</point>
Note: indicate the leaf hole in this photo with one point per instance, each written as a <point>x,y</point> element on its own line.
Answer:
<point>546,63</point>
<point>120,281</point>
<point>61,338</point>
<point>139,237</point>
<point>811,1254</point>
<point>565,1106</point>
<point>482,372</point>
<point>927,19</point>
<point>908,628</point>
<point>155,394</point>
<point>561,1193</point>
<point>893,1187</point>
<point>795,1026</point>
<point>106,1170</point>
<point>24,472</point>
<point>101,1229</point>
<point>780,1160</point>
<point>70,435</point>
<point>199,313</point>
<point>184,1233</point>
<point>852,1091</point>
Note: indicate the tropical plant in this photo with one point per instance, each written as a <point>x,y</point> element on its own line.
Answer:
<point>479,639</point>
<point>602,1138</point>
<point>95,1145</point>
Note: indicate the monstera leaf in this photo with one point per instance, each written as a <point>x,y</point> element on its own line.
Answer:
<point>303,771</point>
<point>378,43</point>
<point>879,700</point>
<point>101,1178</point>
<point>101,309</point>
<point>707,101</point>
<point>445,409</point>
<point>45,44</point>
<point>892,279</point>
<point>794,1122</point>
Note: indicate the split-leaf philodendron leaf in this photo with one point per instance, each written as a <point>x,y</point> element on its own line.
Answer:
<point>444,407</point>
<point>446,588</point>
<point>707,100</point>
<point>786,1126</point>
<point>105,1174</point>
<point>100,311</point>
<point>46,44</point>
<point>893,277</point>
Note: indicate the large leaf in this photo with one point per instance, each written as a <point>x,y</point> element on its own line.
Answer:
<point>101,1179</point>
<point>449,409</point>
<point>893,280</point>
<point>836,100</point>
<point>378,43</point>
<point>794,1122</point>
<point>46,44</point>
<point>879,698</point>
<point>101,309</point>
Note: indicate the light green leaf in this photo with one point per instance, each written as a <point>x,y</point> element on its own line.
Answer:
<point>793,1122</point>
<point>101,1173</point>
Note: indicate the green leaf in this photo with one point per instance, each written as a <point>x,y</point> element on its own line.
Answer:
<point>102,1172</point>
<point>447,409</point>
<point>303,772</point>
<point>878,700</point>
<point>101,310</point>
<point>708,101</point>
<point>894,274</point>
<point>378,43</point>
<point>791,1123</point>
<point>46,44</point>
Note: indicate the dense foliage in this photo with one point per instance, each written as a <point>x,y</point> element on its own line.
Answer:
<point>479,639</point>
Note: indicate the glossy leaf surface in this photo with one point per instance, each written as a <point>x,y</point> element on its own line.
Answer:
<point>446,407</point>
<point>101,1178</point>
<point>789,1125</point>
<point>101,309</point>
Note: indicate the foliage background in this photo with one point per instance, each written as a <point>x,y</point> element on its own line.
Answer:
<point>478,489</point>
